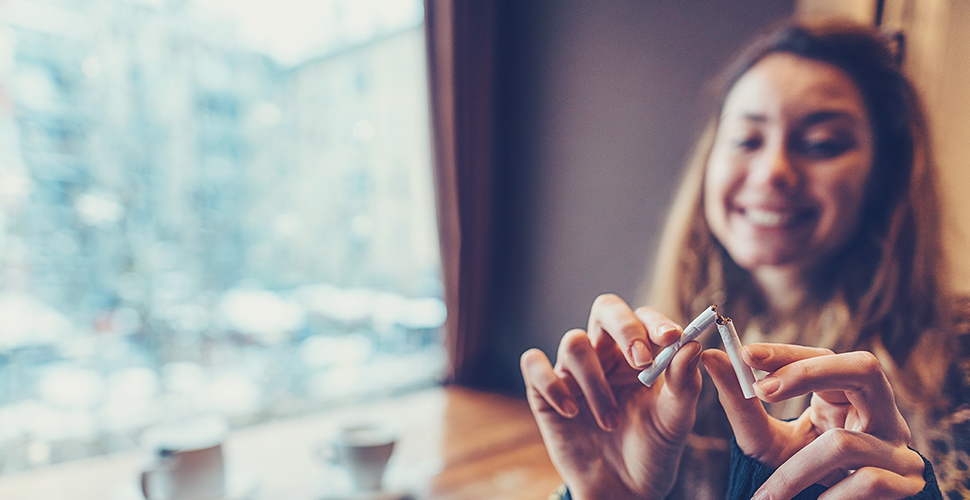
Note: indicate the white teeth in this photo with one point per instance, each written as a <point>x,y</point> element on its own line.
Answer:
<point>768,218</point>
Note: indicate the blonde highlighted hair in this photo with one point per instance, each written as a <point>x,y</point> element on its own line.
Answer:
<point>884,289</point>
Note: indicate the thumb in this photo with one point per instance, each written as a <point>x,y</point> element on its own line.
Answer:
<point>677,401</point>
<point>747,416</point>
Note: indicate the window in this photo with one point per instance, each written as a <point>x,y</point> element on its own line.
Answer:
<point>209,206</point>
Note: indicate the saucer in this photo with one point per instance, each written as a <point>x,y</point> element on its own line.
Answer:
<point>368,495</point>
<point>238,487</point>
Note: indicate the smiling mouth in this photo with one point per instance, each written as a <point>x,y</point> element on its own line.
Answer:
<point>776,219</point>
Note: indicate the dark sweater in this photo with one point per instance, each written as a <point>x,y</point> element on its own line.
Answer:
<point>747,475</point>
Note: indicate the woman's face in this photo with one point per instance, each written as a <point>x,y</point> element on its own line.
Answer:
<point>785,180</point>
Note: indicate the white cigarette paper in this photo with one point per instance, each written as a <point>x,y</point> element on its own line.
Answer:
<point>732,344</point>
<point>705,319</point>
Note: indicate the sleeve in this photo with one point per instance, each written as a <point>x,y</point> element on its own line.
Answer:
<point>747,475</point>
<point>561,493</point>
<point>948,433</point>
<point>931,491</point>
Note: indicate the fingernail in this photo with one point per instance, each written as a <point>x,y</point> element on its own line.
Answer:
<point>692,365</point>
<point>757,352</point>
<point>610,420</point>
<point>666,329</point>
<point>570,408</point>
<point>641,354</point>
<point>768,385</point>
<point>761,494</point>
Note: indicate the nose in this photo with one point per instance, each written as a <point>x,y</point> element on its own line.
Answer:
<point>776,169</point>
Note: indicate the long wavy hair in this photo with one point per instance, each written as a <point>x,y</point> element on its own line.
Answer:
<point>883,289</point>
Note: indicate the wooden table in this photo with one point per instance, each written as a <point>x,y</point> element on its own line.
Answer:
<point>455,443</point>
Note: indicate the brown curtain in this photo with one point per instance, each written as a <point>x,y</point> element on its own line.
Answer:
<point>459,43</point>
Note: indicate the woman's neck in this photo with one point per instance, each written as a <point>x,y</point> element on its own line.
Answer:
<point>783,289</point>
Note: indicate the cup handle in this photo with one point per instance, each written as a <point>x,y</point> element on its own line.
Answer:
<point>151,468</point>
<point>144,482</point>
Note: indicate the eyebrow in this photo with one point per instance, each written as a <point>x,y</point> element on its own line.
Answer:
<point>812,119</point>
<point>828,115</point>
<point>751,117</point>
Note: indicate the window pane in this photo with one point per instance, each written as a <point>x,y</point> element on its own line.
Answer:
<point>209,206</point>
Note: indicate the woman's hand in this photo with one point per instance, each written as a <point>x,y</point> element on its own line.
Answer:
<point>607,434</point>
<point>851,438</point>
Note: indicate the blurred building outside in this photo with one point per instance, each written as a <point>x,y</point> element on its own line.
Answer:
<point>197,218</point>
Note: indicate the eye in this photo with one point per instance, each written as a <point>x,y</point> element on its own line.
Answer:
<point>824,148</point>
<point>748,144</point>
<point>824,141</point>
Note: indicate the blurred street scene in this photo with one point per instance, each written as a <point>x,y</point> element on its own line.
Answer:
<point>209,206</point>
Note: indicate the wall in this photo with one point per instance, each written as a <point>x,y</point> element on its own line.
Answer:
<point>950,117</point>
<point>937,52</point>
<point>597,108</point>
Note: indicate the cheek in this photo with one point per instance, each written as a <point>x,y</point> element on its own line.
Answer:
<point>849,200</point>
<point>717,184</point>
<point>712,203</point>
<point>708,194</point>
<point>846,198</point>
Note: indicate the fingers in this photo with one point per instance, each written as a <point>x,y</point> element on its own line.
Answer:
<point>863,452</point>
<point>663,330</point>
<point>549,388</point>
<point>770,357</point>
<point>612,322</point>
<point>828,414</point>
<point>676,407</point>
<point>841,450</point>
<point>683,378</point>
<point>578,359</point>
<point>869,482</point>
<point>858,375</point>
<point>768,440</point>
<point>544,388</point>
<point>747,416</point>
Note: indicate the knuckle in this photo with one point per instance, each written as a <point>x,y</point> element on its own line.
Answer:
<point>798,371</point>
<point>871,480</point>
<point>914,464</point>
<point>785,480</point>
<point>866,360</point>
<point>905,434</point>
<point>879,483</point>
<point>646,311</point>
<point>574,343</point>
<point>632,330</point>
<point>606,299</point>
<point>841,442</point>
<point>868,365</point>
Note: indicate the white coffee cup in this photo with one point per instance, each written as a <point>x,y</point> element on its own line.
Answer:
<point>187,460</point>
<point>363,451</point>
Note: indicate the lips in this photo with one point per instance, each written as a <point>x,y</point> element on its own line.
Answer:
<point>771,218</point>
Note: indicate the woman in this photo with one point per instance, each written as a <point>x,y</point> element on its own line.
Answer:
<point>809,215</point>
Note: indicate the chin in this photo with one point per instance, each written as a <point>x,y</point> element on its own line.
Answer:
<point>750,261</point>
